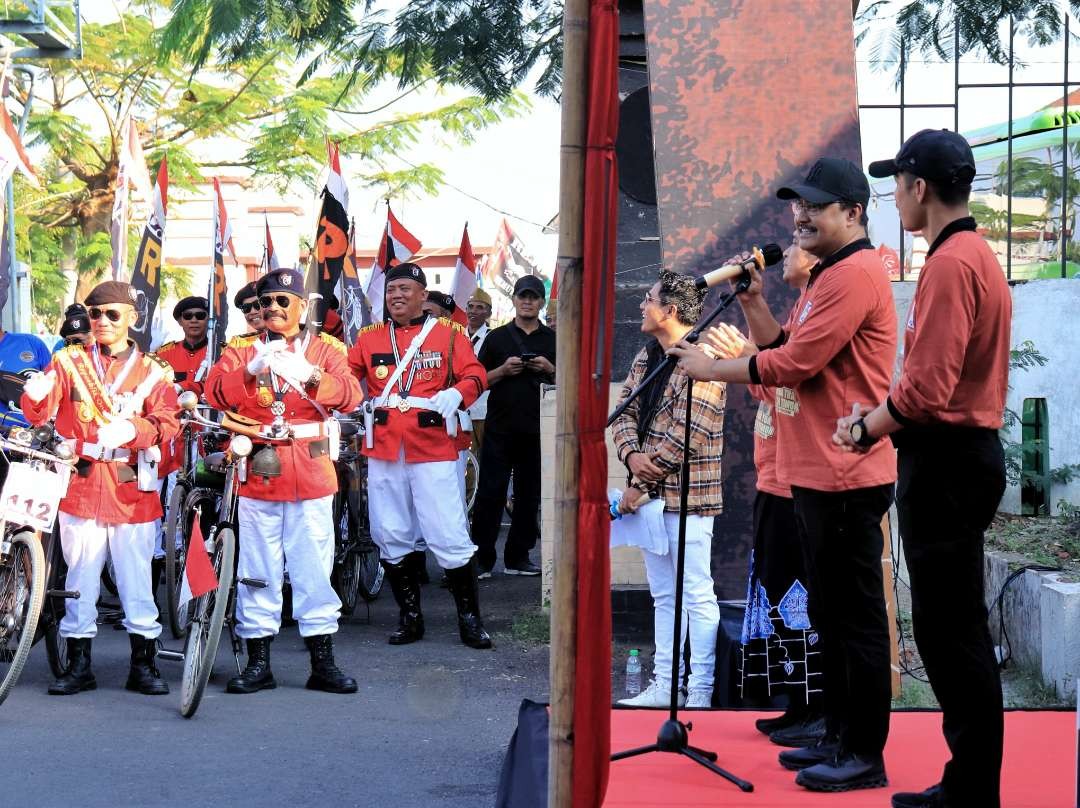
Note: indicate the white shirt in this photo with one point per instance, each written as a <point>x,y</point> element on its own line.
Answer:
<point>478,411</point>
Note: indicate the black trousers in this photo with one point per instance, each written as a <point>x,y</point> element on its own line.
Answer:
<point>951,481</point>
<point>501,455</point>
<point>842,545</point>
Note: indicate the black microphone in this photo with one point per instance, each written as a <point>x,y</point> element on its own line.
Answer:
<point>760,257</point>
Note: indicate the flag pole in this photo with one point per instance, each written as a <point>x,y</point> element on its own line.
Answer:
<point>571,250</point>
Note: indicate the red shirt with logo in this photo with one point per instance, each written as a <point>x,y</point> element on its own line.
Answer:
<point>839,350</point>
<point>956,343</point>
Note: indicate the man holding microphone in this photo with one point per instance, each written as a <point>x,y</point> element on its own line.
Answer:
<point>840,347</point>
<point>944,413</point>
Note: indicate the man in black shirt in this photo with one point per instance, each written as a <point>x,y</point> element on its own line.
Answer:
<point>519,356</point>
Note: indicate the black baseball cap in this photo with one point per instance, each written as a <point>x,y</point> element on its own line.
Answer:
<point>530,283</point>
<point>933,154</point>
<point>831,179</point>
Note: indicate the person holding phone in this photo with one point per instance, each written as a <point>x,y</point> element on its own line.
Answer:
<point>519,357</point>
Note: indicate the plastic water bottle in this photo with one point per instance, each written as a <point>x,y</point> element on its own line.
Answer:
<point>633,673</point>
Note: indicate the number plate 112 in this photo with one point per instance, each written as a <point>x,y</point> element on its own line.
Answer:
<point>31,496</point>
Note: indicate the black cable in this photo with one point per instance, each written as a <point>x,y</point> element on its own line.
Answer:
<point>999,604</point>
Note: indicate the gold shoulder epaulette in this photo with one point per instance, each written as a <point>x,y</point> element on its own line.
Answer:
<point>371,327</point>
<point>243,340</point>
<point>451,324</point>
<point>165,346</point>
<point>166,368</point>
<point>333,341</point>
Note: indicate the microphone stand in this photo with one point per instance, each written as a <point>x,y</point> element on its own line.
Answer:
<point>674,735</point>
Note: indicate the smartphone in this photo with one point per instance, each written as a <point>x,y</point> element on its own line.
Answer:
<point>527,357</point>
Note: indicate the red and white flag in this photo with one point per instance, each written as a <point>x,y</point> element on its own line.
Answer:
<point>466,278</point>
<point>397,245</point>
<point>131,173</point>
<point>199,576</point>
<point>13,156</point>
<point>271,253</point>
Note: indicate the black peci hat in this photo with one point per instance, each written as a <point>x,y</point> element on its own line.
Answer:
<point>192,302</point>
<point>407,270</point>
<point>76,321</point>
<point>246,291</point>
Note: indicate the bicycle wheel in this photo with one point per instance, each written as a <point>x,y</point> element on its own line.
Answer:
<point>345,576</point>
<point>52,612</point>
<point>175,553</point>
<point>207,617</point>
<point>22,591</point>
<point>472,480</point>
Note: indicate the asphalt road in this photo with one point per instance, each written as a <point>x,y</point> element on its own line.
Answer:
<point>428,727</point>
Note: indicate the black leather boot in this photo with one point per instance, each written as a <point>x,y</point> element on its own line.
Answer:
<point>406,591</point>
<point>144,676</point>
<point>417,562</point>
<point>78,676</point>
<point>325,675</point>
<point>464,588</point>
<point>256,675</point>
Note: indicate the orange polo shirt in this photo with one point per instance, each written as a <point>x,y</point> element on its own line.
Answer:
<point>839,350</point>
<point>956,343</point>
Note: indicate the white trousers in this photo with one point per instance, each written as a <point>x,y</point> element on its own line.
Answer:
<point>272,533</point>
<point>701,613</point>
<point>421,545</point>
<point>166,485</point>
<point>403,496</point>
<point>87,544</point>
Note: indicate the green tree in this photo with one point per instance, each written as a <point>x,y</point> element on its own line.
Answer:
<point>247,113</point>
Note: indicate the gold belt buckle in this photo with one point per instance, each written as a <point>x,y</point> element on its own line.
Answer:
<point>404,405</point>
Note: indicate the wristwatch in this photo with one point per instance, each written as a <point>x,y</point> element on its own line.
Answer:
<point>314,378</point>
<point>861,435</point>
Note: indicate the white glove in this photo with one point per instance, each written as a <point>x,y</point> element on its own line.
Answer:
<point>263,351</point>
<point>39,385</point>
<point>116,433</point>
<point>291,366</point>
<point>446,402</point>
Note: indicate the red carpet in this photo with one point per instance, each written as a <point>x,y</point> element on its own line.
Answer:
<point>1040,763</point>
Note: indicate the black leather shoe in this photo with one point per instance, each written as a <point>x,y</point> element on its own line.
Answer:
<point>406,591</point>
<point>466,594</point>
<point>144,676</point>
<point>256,675</point>
<point>78,676</point>
<point>845,773</point>
<point>791,716</point>
<point>805,733</point>
<point>325,675</point>
<point>798,759</point>
<point>933,797</point>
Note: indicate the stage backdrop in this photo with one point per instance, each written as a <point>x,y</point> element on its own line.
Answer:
<point>745,95</point>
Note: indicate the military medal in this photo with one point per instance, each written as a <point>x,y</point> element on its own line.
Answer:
<point>264,397</point>
<point>84,413</point>
<point>381,372</point>
<point>404,405</point>
<point>277,408</point>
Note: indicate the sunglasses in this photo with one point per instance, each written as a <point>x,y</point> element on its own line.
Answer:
<point>809,208</point>
<point>281,301</point>
<point>113,315</point>
<point>247,307</point>
<point>193,315</point>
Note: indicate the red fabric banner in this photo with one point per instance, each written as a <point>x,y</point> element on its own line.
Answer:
<point>592,699</point>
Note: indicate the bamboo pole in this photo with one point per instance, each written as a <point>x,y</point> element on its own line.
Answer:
<point>568,360</point>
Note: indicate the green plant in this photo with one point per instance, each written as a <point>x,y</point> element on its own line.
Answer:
<point>1023,357</point>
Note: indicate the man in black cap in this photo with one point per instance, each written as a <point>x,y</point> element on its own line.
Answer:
<point>419,370</point>
<point>944,414</point>
<point>75,330</point>
<point>836,351</point>
<point>116,405</point>
<point>247,300</point>
<point>287,378</point>
<point>440,304</point>
<point>188,356</point>
<point>519,356</point>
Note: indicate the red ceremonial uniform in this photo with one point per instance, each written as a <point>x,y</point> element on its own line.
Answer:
<point>107,490</point>
<point>306,469</point>
<point>185,361</point>
<point>445,360</point>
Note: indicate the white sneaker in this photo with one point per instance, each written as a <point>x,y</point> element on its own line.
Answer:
<point>701,699</point>
<point>655,695</point>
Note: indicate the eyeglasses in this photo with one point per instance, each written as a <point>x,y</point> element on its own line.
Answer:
<point>650,299</point>
<point>113,315</point>
<point>809,208</point>
<point>247,307</point>
<point>193,315</point>
<point>281,301</point>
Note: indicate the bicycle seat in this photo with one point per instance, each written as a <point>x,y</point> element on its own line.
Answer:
<point>215,461</point>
